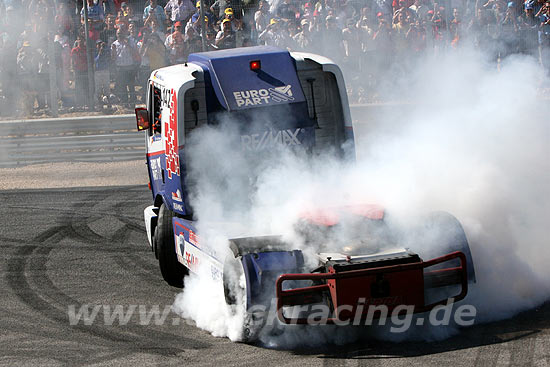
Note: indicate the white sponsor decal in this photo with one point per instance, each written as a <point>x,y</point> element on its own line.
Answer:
<point>177,195</point>
<point>192,257</point>
<point>155,169</point>
<point>178,207</point>
<point>180,248</point>
<point>217,274</point>
<point>281,94</point>
<point>254,97</point>
<point>271,138</point>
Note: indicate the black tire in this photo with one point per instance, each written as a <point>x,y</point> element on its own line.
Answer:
<point>171,269</point>
<point>232,271</point>
<point>154,240</point>
<point>445,234</point>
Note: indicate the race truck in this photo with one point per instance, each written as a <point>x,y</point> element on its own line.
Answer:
<point>373,267</point>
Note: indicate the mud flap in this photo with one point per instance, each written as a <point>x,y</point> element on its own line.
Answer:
<point>150,215</point>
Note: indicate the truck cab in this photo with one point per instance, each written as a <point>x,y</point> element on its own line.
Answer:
<point>304,92</point>
<point>303,97</point>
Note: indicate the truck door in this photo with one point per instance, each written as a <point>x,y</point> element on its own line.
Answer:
<point>155,148</point>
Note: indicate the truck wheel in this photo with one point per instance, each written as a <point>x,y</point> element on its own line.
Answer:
<point>235,297</point>
<point>444,233</point>
<point>171,269</point>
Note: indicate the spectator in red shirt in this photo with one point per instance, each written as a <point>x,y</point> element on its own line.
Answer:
<point>122,21</point>
<point>79,65</point>
<point>63,19</point>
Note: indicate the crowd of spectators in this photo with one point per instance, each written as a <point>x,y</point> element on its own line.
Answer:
<point>130,39</point>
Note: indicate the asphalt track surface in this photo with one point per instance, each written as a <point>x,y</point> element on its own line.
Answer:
<point>70,247</point>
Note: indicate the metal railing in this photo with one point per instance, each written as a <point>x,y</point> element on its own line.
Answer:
<point>80,139</point>
<point>113,138</point>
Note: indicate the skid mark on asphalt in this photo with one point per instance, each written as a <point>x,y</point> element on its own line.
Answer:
<point>19,282</point>
<point>129,220</point>
<point>80,211</point>
<point>132,262</point>
<point>149,267</point>
<point>39,317</point>
<point>28,265</point>
<point>145,273</point>
<point>81,224</point>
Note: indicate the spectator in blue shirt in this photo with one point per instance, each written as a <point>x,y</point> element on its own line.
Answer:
<point>153,10</point>
<point>102,75</point>
<point>95,13</point>
<point>96,16</point>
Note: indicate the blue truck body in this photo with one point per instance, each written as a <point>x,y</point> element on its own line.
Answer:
<point>305,96</point>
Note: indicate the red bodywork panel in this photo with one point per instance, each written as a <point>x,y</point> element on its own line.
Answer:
<point>407,288</point>
<point>398,285</point>
<point>331,216</point>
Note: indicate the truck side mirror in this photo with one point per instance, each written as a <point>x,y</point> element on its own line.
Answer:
<point>142,119</point>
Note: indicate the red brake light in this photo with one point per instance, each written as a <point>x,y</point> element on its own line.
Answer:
<point>255,65</point>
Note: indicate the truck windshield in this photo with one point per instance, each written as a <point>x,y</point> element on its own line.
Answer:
<point>267,127</point>
<point>280,116</point>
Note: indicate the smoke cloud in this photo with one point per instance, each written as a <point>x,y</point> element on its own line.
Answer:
<point>473,141</point>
